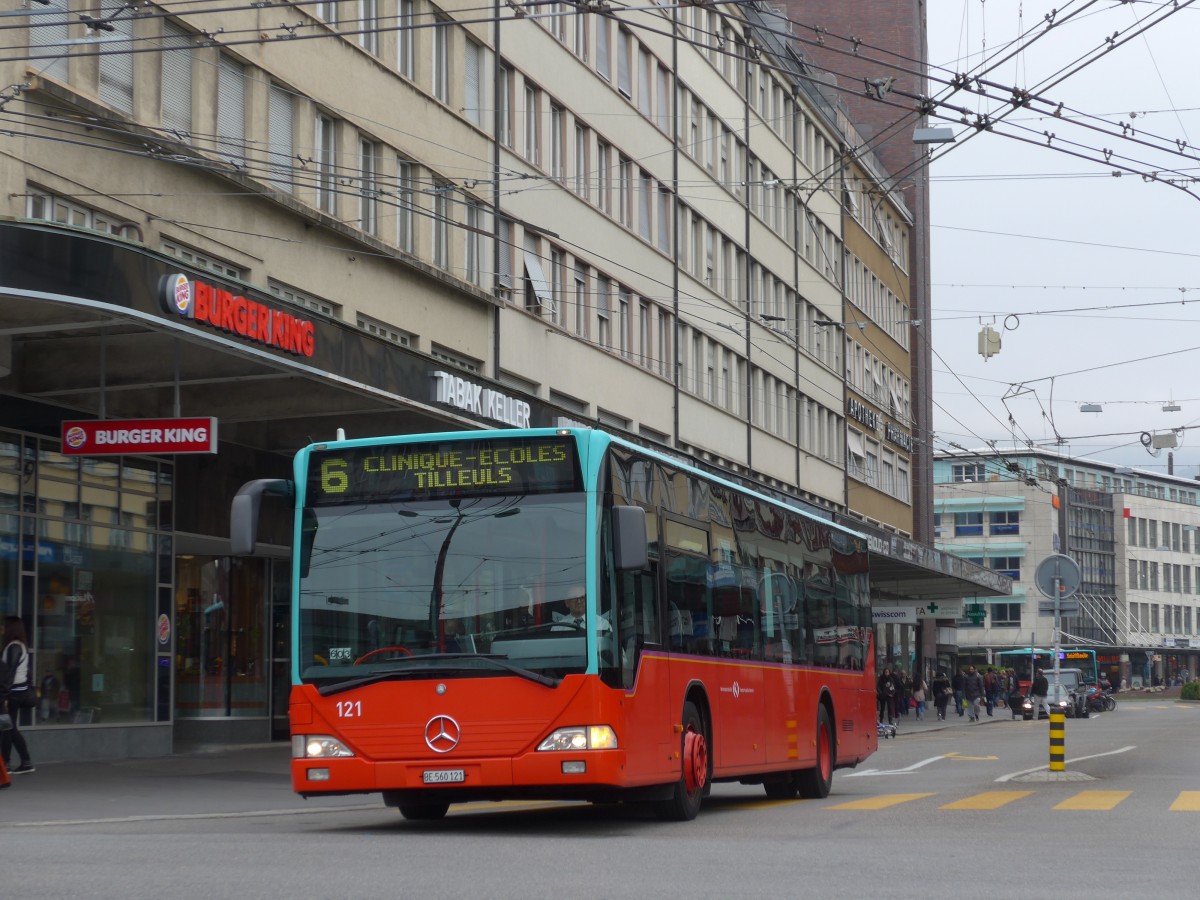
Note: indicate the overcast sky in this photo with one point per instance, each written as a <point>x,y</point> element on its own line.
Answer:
<point>1092,280</point>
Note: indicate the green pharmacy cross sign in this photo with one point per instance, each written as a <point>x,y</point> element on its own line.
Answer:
<point>976,612</point>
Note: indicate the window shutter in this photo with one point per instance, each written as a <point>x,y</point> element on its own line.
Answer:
<point>279,137</point>
<point>177,81</point>
<point>471,88</point>
<point>116,67</point>
<point>45,37</point>
<point>231,107</point>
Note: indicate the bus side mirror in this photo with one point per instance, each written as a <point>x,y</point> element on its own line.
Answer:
<point>629,538</point>
<point>243,512</point>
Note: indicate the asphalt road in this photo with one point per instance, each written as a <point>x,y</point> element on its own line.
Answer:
<point>938,813</point>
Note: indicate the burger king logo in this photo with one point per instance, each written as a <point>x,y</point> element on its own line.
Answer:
<point>175,292</point>
<point>76,437</point>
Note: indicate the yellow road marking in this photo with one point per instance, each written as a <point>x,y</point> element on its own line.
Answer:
<point>1094,800</point>
<point>957,755</point>
<point>881,802</point>
<point>1187,801</point>
<point>987,800</point>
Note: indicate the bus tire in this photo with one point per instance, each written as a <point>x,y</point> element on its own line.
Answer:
<point>688,792</point>
<point>816,782</point>
<point>423,810</point>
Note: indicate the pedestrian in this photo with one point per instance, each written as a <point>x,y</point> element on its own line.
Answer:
<point>958,690</point>
<point>903,693</point>
<point>1012,691</point>
<point>991,686</point>
<point>942,692</point>
<point>885,696</point>
<point>1040,688</point>
<point>17,691</point>
<point>973,692</point>
<point>918,694</point>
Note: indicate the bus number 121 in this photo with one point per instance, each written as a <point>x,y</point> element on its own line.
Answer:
<point>349,709</point>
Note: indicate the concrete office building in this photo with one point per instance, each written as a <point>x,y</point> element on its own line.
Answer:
<point>1134,534</point>
<point>269,223</point>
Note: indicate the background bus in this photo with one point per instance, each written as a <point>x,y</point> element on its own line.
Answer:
<point>1024,659</point>
<point>727,636</point>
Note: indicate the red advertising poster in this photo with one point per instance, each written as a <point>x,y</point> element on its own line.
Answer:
<point>115,436</point>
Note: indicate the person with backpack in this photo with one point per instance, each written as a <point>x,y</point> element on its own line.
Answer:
<point>18,691</point>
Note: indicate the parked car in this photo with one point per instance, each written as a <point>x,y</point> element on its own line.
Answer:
<point>1066,695</point>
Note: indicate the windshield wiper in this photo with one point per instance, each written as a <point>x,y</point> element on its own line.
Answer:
<point>494,659</point>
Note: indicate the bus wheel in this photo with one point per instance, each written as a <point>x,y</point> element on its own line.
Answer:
<point>815,783</point>
<point>684,803</point>
<point>423,810</point>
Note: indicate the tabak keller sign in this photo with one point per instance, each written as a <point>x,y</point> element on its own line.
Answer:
<point>226,311</point>
<point>108,437</point>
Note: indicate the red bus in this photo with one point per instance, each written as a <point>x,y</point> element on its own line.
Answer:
<point>562,614</point>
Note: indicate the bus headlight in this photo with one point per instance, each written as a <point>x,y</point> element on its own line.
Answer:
<point>581,737</point>
<point>318,746</point>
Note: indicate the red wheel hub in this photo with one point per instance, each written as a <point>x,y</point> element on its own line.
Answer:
<point>695,760</point>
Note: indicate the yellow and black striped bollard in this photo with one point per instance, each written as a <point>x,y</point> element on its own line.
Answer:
<point>1058,742</point>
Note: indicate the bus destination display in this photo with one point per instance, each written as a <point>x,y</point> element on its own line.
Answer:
<point>445,469</point>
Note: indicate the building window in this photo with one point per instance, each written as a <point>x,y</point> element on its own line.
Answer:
<point>1005,615</point>
<point>1005,522</point>
<point>968,523</point>
<point>231,107</point>
<point>441,224</point>
<point>385,331</point>
<point>456,360</point>
<point>281,150</point>
<point>404,38</point>
<point>200,261</point>
<point>326,163</point>
<point>1006,565</point>
<point>405,198</point>
<point>558,151</point>
<point>368,175</point>
<point>532,137</point>
<point>49,36</point>
<point>297,297</point>
<point>472,81</point>
<point>177,81</point>
<point>475,240</point>
<point>968,472</point>
<point>581,304</point>
<point>557,261</point>
<point>47,207</point>
<point>603,62</point>
<point>603,176</point>
<point>624,78</point>
<point>624,191</point>
<point>504,97</point>
<point>441,60</point>
<point>581,160</point>
<point>116,65</point>
<point>645,204</point>
<point>603,314</point>
<point>368,22</point>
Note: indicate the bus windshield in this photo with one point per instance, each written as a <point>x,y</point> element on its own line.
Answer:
<point>423,588</point>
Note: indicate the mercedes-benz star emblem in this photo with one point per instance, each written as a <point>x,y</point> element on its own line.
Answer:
<point>442,734</point>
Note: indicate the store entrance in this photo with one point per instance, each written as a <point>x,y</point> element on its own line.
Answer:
<point>232,639</point>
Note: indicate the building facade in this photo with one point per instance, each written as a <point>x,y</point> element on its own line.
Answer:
<point>391,217</point>
<point>1133,535</point>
